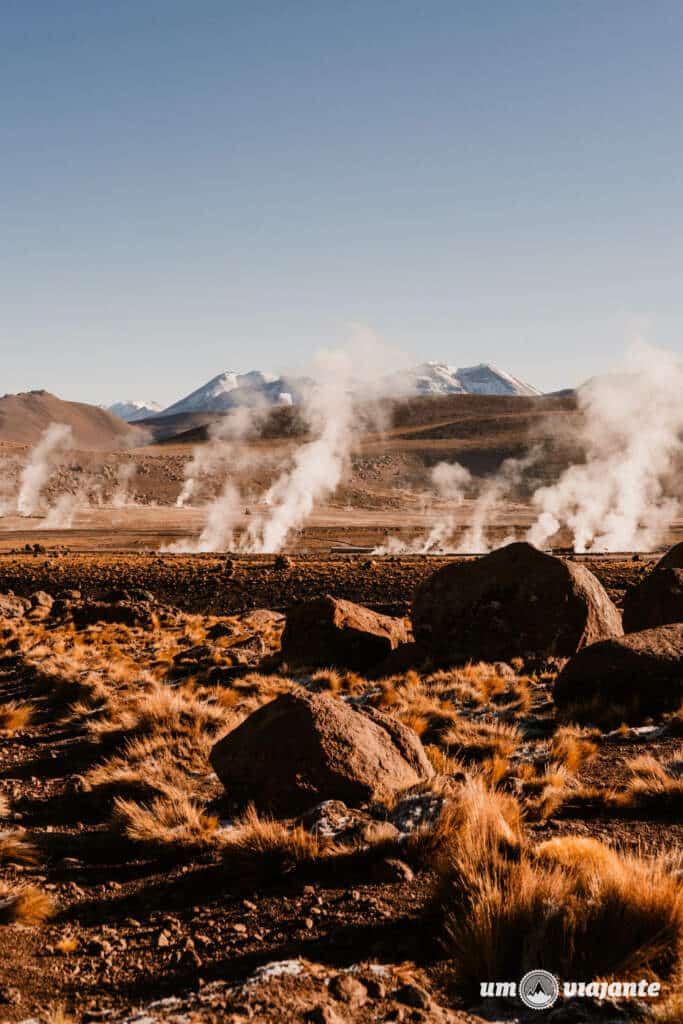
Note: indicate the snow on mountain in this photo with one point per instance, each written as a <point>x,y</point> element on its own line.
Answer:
<point>228,390</point>
<point>434,378</point>
<point>130,411</point>
<point>486,379</point>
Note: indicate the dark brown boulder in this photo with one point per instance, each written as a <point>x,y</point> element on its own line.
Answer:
<point>303,748</point>
<point>328,631</point>
<point>122,613</point>
<point>673,559</point>
<point>515,602</point>
<point>624,678</point>
<point>656,601</point>
<point>13,607</point>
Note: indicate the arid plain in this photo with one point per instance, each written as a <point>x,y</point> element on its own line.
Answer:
<point>352,780</point>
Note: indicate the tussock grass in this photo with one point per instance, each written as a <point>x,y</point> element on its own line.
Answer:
<point>273,848</point>
<point>572,748</point>
<point>16,849</point>
<point>476,741</point>
<point>151,766</point>
<point>170,823</point>
<point>655,787</point>
<point>573,907</point>
<point>14,716</point>
<point>25,905</point>
<point>475,813</point>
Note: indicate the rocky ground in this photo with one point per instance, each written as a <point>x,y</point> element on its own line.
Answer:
<point>137,887</point>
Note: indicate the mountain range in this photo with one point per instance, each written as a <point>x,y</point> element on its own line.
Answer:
<point>228,390</point>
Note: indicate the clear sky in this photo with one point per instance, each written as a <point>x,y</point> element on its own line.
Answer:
<point>188,187</point>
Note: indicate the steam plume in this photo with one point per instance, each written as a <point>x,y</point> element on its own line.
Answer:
<point>56,439</point>
<point>625,494</point>
<point>121,494</point>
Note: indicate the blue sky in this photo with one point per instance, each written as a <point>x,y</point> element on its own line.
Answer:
<point>187,187</point>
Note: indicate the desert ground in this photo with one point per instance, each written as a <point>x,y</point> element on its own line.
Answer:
<point>330,784</point>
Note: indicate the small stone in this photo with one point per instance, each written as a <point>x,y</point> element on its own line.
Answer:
<point>392,870</point>
<point>413,995</point>
<point>324,1015</point>
<point>348,989</point>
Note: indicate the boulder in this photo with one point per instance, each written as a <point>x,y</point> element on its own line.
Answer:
<point>327,631</point>
<point>122,613</point>
<point>656,601</point>
<point>303,748</point>
<point>673,559</point>
<point>625,677</point>
<point>13,607</point>
<point>515,602</point>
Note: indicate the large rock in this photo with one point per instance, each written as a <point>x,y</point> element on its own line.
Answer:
<point>656,601</point>
<point>626,677</point>
<point>123,613</point>
<point>303,748</point>
<point>328,631</point>
<point>517,601</point>
<point>673,559</point>
<point>13,607</point>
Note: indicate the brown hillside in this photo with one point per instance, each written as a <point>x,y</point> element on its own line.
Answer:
<point>24,417</point>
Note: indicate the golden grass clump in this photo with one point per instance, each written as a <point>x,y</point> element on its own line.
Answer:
<point>655,787</point>
<point>14,716</point>
<point>572,748</point>
<point>573,907</point>
<point>16,849</point>
<point>170,823</point>
<point>473,813</point>
<point>25,905</point>
<point>475,741</point>
<point>273,848</point>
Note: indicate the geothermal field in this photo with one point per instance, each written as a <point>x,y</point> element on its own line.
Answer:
<point>350,710</point>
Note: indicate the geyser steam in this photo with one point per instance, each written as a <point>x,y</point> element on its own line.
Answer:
<point>56,439</point>
<point>625,494</point>
<point>304,479</point>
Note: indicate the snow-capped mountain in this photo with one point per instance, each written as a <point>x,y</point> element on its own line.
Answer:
<point>130,411</point>
<point>228,390</point>
<point>434,378</point>
<point>486,379</point>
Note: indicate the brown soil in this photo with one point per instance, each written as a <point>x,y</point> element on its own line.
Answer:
<point>135,927</point>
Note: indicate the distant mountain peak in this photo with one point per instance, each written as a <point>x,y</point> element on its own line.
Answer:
<point>439,378</point>
<point>228,390</point>
<point>131,410</point>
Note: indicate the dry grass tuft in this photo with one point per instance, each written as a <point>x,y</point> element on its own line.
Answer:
<point>571,748</point>
<point>26,905</point>
<point>573,907</point>
<point>14,716</point>
<point>171,823</point>
<point>476,741</point>
<point>271,847</point>
<point>15,849</point>
<point>655,787</point>
<point>66,945</point>
<point>474,813</point>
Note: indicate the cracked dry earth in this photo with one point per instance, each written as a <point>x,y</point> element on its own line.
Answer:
<point>162,927</point>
